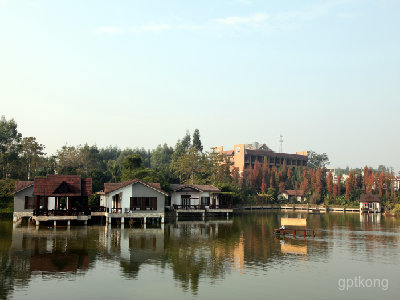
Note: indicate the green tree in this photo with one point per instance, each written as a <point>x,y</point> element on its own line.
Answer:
<point>181,146</point>
<point>317,161</point>
<point>68,160</point>
<point>161,157</point>
<point>32,155</point>
<point>196,141</point>
<point>218,168</point>
<point>114,168</point>
<point>132,168</point>
<point>131,162</point>
<point>10,146</point>
<point>188,166</point>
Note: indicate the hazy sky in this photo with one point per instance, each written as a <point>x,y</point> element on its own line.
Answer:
<point>325,74</point>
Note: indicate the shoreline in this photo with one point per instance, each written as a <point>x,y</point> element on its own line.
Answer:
<point>309,208</point>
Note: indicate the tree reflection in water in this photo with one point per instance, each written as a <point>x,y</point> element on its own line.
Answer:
<point>194,252</point>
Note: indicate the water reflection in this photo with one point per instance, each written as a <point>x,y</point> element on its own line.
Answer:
<point>193,252</point>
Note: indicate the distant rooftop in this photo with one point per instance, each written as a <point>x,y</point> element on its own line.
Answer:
<point>258,146</point>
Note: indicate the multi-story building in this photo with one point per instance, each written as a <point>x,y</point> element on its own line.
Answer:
<point>244,156</point>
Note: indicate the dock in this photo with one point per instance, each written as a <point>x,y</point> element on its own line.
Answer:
<point>295,232</point>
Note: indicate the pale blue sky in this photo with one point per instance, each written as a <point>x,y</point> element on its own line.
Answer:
<point>325,74</point>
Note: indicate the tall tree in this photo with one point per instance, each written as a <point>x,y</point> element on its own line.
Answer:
<point>330,183</point>
<point>188,166</point>
<point>316,161</point>
<point>181,147</point>
<point>10,146</point>
<point>255,176</point>
<point>196,141</point>
<point>32,154</point>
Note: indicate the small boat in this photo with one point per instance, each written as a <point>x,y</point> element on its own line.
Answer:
<point>294,232</point>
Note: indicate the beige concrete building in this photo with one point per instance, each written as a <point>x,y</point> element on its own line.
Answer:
<point>244,156</point>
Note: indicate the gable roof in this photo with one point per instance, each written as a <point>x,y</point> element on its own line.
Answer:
<point>21,185</point>
<point>62,185</point>
<point>111,187</point>
<point>369,198</point>
<point>199,187</point>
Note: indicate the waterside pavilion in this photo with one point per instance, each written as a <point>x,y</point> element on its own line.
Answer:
<point>53,198</point>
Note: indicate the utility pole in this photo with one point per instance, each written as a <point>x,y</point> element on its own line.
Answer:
<point>281,142</point>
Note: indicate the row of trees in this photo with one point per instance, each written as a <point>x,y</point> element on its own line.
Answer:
<point>318,184</point>
<point>24,158</point>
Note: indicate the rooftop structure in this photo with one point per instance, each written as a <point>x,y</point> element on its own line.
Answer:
<point>244,156</point>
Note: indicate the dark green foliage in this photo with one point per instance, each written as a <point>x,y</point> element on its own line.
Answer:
<point>131,162</point>
<point>94,200</point>
<point>10,147</point>
<point>316,161</point>
<point>196,141</point>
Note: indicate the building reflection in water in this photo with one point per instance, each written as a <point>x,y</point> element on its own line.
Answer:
<point>51,252</point>
<point>194,252</point>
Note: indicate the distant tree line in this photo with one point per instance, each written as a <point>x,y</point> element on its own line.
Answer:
<point>24,158</point>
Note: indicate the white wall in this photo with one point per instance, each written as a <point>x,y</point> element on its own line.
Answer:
<point>135,190</point>
<point>50,203</point>
<point>176,197</point>
<point>19,200</point>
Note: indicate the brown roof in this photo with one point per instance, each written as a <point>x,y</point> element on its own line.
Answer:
<point>63,186</point>
<point>294,192</point>
<point>227,152</point>
<point>21,185</point>
<point>369,198</point>
<point>111,187</point>
<point>201,188</point>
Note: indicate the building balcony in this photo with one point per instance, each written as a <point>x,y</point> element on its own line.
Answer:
<point>189,207</point>
<point>54,212</point>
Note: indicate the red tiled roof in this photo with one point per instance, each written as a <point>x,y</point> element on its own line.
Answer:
<point>63,186</point>
<point>294,192</point>
<point>111,187</point>
<point>21,185</point>
<point>86,186</point>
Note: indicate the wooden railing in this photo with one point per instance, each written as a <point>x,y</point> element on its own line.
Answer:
<point>53,212</point>
<point>189,206</point>
<point>98,209</point>
<point>225,206</point>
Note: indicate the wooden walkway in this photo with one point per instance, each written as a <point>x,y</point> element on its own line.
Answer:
<point>295,232</point>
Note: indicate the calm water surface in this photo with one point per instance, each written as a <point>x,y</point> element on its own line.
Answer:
<point>216,259</point>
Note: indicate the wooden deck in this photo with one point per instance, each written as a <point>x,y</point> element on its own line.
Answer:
<point>295,232</point>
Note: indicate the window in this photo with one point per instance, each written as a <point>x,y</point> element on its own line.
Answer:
<point>143,203</point>
<point>205,201</point>
<point>238,150</point>
<point>30,203</point>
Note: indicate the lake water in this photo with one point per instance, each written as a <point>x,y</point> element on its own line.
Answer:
<point>351,257</point>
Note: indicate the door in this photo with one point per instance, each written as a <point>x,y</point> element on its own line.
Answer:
<point>185,200</point>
